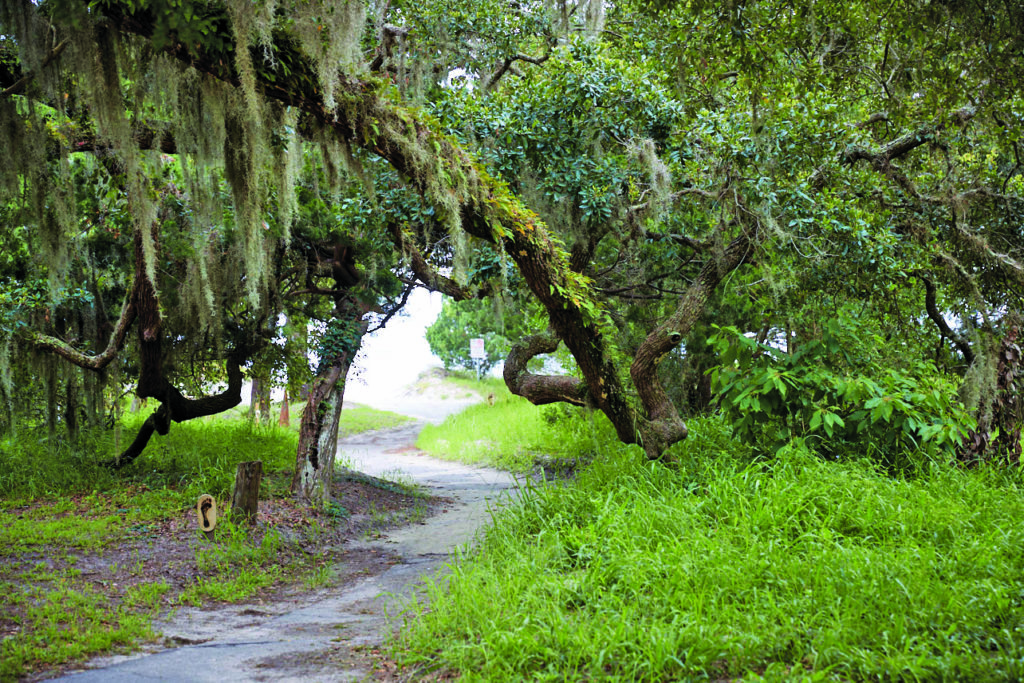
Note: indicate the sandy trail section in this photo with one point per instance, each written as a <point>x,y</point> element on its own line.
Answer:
<point>328,634</point>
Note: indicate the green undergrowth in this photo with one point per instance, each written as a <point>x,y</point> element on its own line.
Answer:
<point>65,619</point>
<point>355,417</point>
<point>75,535</point>
<point>730,566</point>
<point>511,433</point>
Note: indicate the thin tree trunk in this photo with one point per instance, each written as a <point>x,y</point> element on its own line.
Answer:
<point>71,403</point>
<point>318,433</point>
<point>284,419</point>
<point>264,402</point>
<point>254,398</point>
<point>50,374</point>
<point>245,498</point>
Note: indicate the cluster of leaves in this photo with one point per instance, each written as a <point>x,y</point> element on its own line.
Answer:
<point>459,321</point>
<point>20,299</point>
<point>822,394</point>
<point>342,336</point>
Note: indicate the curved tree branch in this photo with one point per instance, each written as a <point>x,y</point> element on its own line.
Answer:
<point>175,407</point>
<point>935,315</point>
<point>50,344</point>
<point>666,426</point>
<point>507,63</point>
<point>540,389</point>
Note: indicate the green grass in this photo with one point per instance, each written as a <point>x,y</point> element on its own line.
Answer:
<point>513,433</point>
<point>57,502</point>
<point>67,623</point>
<point>787,569</point>
<point>355,417</point>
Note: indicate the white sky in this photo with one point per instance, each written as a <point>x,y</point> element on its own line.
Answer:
<point>394,357</point>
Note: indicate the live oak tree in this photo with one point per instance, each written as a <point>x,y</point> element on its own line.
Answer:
<point>639,164</point>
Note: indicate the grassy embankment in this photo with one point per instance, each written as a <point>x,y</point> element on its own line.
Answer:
<point>511,433</point>
<point>79,542</point>
<point>729,566</point>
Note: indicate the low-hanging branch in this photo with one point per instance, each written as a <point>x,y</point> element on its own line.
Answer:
<point>176,407</point>
<point>540,389</point>
<point>50,344</point>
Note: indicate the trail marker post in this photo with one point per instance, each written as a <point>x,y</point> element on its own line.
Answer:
<point>478,353</point>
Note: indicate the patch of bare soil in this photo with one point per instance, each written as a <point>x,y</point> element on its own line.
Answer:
<point>363,508</point>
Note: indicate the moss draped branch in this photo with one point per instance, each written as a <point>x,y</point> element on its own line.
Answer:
<point>50,344</point>
<point>465,197</point>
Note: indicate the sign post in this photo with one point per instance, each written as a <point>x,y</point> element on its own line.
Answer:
<point>478,354</point>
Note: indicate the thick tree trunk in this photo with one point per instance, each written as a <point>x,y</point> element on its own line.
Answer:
<point>174,406</point>
<point>664,426</point>
<point>318,431</point>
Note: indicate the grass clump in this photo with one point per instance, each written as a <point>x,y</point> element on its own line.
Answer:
<point>787,568</point>
<point>69,622</point>
<point>511,433</point>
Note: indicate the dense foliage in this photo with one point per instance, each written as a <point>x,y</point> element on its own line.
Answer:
<point>737,565</point>
<point>226,173</point>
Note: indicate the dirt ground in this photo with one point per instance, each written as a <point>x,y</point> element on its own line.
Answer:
<point>350,570</point>
<point>167,549</point>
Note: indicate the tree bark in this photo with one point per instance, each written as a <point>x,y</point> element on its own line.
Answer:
<point>284,419</point>
<point>318,431</point>
<point>245,498</point>
<point>540,389</point>
<point>174,406</point>
<point>664,426</point>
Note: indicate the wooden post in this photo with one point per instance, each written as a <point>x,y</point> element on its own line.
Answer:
<point>284,419</point>
<point>245,498</point>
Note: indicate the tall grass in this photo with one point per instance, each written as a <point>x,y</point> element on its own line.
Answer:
<point>513,433</point>
<point>195,457</point>
<point>731,566</point>
<point>198,456</point>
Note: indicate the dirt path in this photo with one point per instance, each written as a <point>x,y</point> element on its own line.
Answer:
<point>329,634</point>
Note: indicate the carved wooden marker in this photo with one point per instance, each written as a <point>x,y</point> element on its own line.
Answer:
<point>206,510</point>
<point>245,499</point>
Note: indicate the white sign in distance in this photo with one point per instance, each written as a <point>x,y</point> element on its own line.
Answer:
<point>476,348</point>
